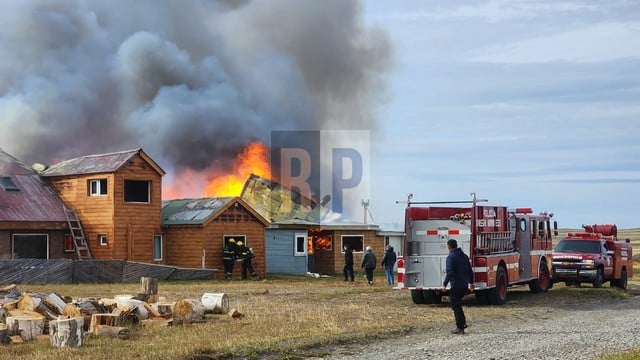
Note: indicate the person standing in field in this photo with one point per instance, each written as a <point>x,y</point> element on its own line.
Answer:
<point>246,254</point>
<point>388,262</point>
<point>369,264</point>
<point>229,258</point>
<point>460,274</point>
<point>348,263</point>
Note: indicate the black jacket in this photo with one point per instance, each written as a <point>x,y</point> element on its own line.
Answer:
<point>368,260</point>
<point>348,257</point>
<point>459,271</point>
<point>389,258</point>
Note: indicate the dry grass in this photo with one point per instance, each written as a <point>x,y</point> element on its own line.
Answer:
<point>286,317</point>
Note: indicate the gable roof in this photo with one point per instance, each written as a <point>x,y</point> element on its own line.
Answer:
<point>33,201</point>
<point>99,163</point>
<point>201,211</point>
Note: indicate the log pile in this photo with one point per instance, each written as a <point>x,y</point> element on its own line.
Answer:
<point>62,320</point>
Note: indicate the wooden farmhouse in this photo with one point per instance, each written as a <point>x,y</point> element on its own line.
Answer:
<point>196,231</point>
<point>117,197</point>
<point>32,220</point>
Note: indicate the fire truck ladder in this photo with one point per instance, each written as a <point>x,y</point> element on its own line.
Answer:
<point>79,240</point>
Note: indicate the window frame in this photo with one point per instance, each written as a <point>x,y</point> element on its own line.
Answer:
<point>100,184</point>
<point>8,185</point>
<point>297,237</point>
<point>67,240</point>
<point>226,237</point>
<point>160,249</point>
<point>103,240</point>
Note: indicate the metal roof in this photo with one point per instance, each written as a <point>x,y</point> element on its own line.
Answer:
<point>99,163</point>
<point>192,211</point>
<point>34,201</point>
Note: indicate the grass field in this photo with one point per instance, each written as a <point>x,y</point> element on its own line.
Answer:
<point>289,317</point>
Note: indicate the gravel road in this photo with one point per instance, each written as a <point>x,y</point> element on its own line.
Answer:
<point>597,328</point>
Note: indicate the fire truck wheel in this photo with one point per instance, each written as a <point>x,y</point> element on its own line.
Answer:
<point>417,297</point>
<point>597,281</point>
<point>498,294</point>
<point>542,283</point>
<point>622,282</point>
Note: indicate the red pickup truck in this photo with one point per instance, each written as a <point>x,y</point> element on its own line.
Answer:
<point>595,256</point>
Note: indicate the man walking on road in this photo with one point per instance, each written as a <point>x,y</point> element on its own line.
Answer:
<point>460,274</point>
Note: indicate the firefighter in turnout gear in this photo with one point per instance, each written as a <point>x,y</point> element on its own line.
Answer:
<point>246,254</point>
<point>228,258</point>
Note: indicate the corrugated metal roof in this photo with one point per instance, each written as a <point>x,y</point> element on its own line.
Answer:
<point>191,211</point>
<point>34,201</point>
<point>91,164</point>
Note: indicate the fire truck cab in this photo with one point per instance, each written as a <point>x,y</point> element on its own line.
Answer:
<point>506,247</point>
<point>595,256</point>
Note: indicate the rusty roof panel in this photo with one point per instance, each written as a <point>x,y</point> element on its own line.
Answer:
<point>191,211</point>
<point>34,201</point>
<point>91,164</point>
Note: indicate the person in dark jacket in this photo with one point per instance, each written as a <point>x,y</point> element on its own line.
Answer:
<point>246,254</point>
<point>460,274</point>
<point>229,258</point>
<point>369,264</point>
<point>388,262</point>
<point>348,264</point>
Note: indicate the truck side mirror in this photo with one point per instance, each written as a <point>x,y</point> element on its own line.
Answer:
<point>555,228</point>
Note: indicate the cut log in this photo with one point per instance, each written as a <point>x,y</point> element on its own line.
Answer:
<point>3,314</point>
<point>188,311</point>
<point>16,339</point>
<point>103,319</point>
<point>33,302</point>
<point>26,326</point>
<point>4,334</point>
<point>71,310</point>
<point>234,313</point>
<point>8,288</point>
<point>66,332</point>
<point>165,308</point>
<point>149,285</point>
<point>55,302</point>
<point>156,322</point>
<point>113,331</point>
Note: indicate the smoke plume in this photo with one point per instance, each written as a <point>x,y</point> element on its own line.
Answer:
<point>190,82</point>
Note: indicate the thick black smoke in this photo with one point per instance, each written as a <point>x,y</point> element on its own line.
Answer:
<point>188,81</point>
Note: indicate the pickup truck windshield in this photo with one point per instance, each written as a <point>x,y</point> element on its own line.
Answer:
<point>578,246</point>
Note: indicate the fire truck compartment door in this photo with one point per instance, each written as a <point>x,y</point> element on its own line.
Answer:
<point>425,271</point>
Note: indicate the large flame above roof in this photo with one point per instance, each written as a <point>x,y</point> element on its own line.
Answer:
<point>253,160</point>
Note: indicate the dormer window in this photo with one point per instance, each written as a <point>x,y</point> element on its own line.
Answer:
<point>7,184</point>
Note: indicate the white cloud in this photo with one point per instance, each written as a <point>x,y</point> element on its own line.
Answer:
<point>597,43</point>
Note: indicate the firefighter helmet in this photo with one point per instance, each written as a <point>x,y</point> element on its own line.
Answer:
<point>232,240</point>
<point>240,243</point>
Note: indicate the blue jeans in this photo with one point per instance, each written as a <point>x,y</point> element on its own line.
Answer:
<point>388,270</point>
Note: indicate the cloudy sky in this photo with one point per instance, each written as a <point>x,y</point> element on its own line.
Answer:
<point>528,104</point>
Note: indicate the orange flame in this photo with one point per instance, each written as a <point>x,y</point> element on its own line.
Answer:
<point>253,160</point>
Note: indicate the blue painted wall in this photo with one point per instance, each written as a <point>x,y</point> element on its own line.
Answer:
<point>280,252</point>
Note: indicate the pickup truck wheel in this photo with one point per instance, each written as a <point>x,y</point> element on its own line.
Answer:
<point>597,281</point>
<point>622,282</point>
<point>416,296</point>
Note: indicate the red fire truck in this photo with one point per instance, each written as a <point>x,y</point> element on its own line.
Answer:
<point>595,255</point>
<point>506,247</point>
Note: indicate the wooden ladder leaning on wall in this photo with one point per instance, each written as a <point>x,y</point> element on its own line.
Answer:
<point>79,240</point>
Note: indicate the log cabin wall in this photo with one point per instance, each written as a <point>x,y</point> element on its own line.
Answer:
<point>333,261</point>
<point>184,244</point>
<point>135,222</point>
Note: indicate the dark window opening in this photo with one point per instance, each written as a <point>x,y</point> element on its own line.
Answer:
<point>355,242</point>
<point>237,238</point>
<point>136,191</point>
<point>8,184</point>
<point>30,246</point>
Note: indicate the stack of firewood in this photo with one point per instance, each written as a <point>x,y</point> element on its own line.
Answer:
<point>62,320</point>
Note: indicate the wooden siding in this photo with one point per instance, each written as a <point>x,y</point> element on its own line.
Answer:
<point>129,227</point>
<point>186,244</point>
<point>332,261</point>
<point>280,252</point>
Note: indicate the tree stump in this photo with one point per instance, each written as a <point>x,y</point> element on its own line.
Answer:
<point>149,287</point>
<point>27,327</point>
<point>66,332</point>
